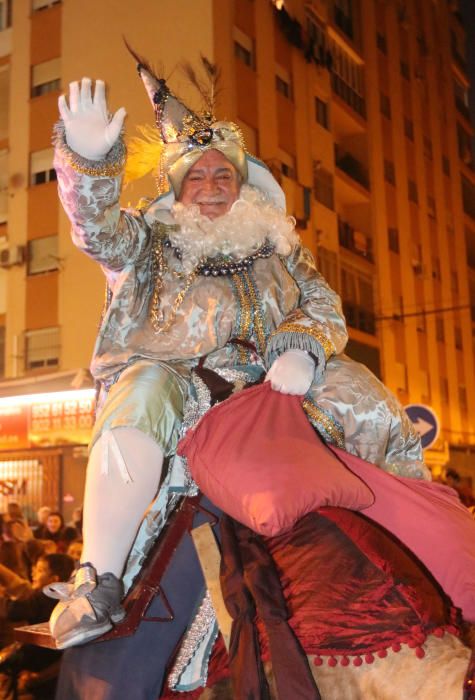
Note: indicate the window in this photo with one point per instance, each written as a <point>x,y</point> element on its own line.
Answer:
<point>458,338</point>
<point>405,71</point>
<point>5,14</point>
<point>41,167</point>
<point>46,77</point>
<point>43,255</point>
<point>412,191</point>
<point>381,43</point>
<point>317,35</point>
<point>385,105</point>
<point>321,113</point>
<point>244,48</point>
<point>439,330</point>
<point>323,186</point>
<point>43,4</point>
<point>358,300</point>
<point>393,239</point>
<point>446,166</point>
<point>409,128</point>
<point>42,348</point>
<point>288,165</point>
<point>343,13</point>
<point>283,87</point>
<point>389,172</point>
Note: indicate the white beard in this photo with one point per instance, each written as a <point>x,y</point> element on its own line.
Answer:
<point>247,226</point>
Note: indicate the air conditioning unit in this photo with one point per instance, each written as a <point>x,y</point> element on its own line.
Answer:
<point>15,255</point>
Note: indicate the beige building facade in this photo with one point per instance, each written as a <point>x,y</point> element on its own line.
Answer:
<point>360,109</point>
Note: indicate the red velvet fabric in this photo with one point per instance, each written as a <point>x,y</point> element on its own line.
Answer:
<point>430,520</point>
<point>351,589</point>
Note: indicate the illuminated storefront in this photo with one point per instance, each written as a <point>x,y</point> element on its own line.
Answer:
<point>45,426</point>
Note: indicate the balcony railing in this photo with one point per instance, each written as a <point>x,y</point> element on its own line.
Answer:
<point>359,318</point>
<point>354,241</point>
<point>348,95</point>
<point>351,166</point>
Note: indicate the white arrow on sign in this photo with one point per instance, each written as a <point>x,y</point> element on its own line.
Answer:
<point>423,427</point>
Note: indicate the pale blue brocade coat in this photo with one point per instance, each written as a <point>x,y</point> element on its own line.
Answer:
<point>279,304</point>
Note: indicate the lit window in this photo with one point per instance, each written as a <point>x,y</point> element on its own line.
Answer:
<point>45,77</point>
<point>42,348</point>
<point>43,255</point>
<point>41,167</point>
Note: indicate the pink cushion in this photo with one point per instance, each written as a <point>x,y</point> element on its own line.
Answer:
<point>258,459</point>
<point>430,520</point>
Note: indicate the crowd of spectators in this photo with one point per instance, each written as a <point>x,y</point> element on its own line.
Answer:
<point>32,555</point>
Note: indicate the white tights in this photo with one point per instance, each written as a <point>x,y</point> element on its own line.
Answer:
<point>123,475</point>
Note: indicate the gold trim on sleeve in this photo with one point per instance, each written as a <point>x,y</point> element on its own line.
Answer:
<point>321,338</point>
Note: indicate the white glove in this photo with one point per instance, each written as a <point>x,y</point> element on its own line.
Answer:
<point>292,372</point>
<point>90,131</point>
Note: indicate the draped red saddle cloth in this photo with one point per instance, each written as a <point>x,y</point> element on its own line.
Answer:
<point>351,592</point>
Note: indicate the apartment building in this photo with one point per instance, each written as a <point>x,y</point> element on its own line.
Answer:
<point>359,107</point>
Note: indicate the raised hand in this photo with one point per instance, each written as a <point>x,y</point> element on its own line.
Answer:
<point>90,131</point>
<point>292,372</point>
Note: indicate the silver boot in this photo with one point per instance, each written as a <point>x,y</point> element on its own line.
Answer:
<point>89,607</point>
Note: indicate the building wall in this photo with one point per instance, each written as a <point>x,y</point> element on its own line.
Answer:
<point>400,127</point>
<point>352,124</point>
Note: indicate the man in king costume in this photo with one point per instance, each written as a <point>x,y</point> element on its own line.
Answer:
<point>211,273</point>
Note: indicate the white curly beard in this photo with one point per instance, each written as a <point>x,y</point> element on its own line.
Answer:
<point>252,221</point>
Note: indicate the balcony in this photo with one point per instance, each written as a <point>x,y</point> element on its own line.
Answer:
<point>354,241</point>
<point>348,95</point>
<point>351,166</point>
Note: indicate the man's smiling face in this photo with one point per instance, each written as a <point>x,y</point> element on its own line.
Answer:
<point>212,183</point>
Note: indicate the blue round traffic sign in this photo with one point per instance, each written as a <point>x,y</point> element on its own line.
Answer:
<point>425,422</point>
